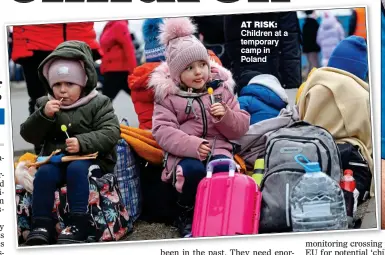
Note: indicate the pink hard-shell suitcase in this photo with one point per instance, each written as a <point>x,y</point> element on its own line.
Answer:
<point>226,203</point>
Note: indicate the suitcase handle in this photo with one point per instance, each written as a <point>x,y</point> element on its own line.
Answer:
<point>221,162</point>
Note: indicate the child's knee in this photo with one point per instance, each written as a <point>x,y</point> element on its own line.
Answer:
<point>47,174</point>
<point>78,168</point>
<point>192,168</point>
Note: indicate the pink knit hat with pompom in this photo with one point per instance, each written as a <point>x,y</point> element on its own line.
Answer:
<point>182,47</point>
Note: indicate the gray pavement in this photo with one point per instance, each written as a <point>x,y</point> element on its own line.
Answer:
<point>369,220</point>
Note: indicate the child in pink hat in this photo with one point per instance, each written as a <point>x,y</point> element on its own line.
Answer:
<point>191,126</point>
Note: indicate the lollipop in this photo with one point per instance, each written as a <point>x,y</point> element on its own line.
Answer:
<point>64,129</point>
<point>210,91</point>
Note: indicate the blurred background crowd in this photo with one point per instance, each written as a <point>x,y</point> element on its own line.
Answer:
<point>121,46</point>
<point>346,17</point>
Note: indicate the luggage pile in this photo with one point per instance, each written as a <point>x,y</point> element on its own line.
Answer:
<point>299,185</point>
<point>291,188</point>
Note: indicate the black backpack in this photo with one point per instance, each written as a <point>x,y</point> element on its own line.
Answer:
<point>352,158</point>
<point>158,198</point>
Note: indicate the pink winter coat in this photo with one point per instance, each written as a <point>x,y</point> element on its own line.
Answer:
<point>180,134</point>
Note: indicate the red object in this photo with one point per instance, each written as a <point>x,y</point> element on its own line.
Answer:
<point>214,57</point>
<point>142,97</point>
<point>47,37</point>
<point>226,205</point>
<point>118,48</point>
<point>347,182</point>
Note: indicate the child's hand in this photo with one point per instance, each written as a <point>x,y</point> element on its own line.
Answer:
<point>218,110</point>
<point>51,108</point>
<point>72,145</point>
<point>204,150</point>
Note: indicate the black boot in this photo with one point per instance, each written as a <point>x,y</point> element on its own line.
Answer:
<point>43,232</point>
<point>184,220</point>
<point>77,229</point>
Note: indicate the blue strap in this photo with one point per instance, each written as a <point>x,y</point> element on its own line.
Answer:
<point>298,159</point>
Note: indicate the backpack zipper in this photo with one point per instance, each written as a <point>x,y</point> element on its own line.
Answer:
<point>297,170</point>
<point>287,200</point>
<point>358,164</point>
<point>304,138</point>
<point>329,134</point>
<point>318,151</point>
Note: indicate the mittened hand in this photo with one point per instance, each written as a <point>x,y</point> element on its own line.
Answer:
<point>218,110</point>
<point>73,145</point>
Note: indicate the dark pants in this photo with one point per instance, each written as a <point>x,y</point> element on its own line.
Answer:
<point>194,171</point>
<point>35,87</point>
<point>49,177</point>
<point>114,82</point>
<point>312,59</point>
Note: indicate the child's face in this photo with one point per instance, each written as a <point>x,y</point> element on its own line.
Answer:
<point>195,75</point>
<point>69,92</point>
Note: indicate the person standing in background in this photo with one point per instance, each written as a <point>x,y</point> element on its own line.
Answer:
<point>119,58</point>
<point>9,34</point>
<point>142,96</point>
<point>284,61</point>
<point>357,23</point>
<point>33,43</point>
<point>211,28</point>
<point>329,35</point>
<point>309,34</point>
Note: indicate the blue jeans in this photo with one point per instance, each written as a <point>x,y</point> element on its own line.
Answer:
<point>194,171</point>
<point>49,177</point>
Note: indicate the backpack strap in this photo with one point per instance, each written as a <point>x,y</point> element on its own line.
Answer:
<point>299,123</point>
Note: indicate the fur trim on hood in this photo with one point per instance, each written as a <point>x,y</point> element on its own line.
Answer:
<point>163,86</point>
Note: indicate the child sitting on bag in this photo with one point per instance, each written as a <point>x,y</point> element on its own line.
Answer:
<point>70,78</point>
<point>263,98</point>
<point>190,127</point>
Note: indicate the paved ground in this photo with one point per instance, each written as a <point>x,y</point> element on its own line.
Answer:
<point>125,109</point>
<point>369,220</point>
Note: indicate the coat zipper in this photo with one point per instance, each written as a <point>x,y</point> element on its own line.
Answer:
<point>204,133</point>
<point>204,117</point>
